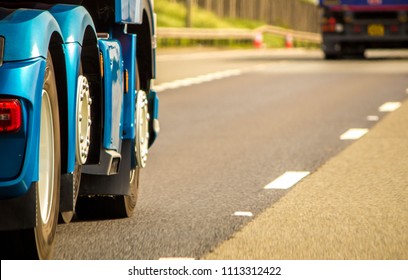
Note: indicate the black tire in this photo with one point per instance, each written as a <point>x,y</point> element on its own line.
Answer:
<point>129,201</point>
<point>111,206</point>
<point>357,55</point>
<point>331,56</point>
<point>38,243</point>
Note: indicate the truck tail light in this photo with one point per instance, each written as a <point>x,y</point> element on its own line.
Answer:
<point>394,28</point>
<point>329,24</point>
<point>357,29</point>
<point>10,115</point>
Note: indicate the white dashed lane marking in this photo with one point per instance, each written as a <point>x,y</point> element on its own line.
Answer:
<point>373,118</point>
<point>176,259</point>
<point>353,134</point>
<point>243,214</point>
<point>198,80</point>
<point>287,180</point>
<point>389,106</point>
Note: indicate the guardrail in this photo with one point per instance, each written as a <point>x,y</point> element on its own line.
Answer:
<point>297,35</point>
<point>234,34</point>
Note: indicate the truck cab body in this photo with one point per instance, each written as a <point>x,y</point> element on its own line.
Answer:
<point>77,114</point>
<point>349,27</point>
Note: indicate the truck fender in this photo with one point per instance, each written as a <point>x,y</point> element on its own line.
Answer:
<point>21,27</point>
<point>73,22</point>
<point>80,40</point>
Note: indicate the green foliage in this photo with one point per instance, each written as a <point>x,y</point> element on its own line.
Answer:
<point>172,14</point>
<point>169,14</point>
<point>273,41</point>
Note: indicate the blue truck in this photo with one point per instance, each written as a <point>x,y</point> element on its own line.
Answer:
<point>349,27</point>
<point>78,115</point>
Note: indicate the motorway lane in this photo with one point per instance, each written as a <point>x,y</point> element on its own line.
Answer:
<point>222,141</point>
<point>354,207</point>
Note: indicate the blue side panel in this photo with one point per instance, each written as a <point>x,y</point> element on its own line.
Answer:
<point>22,37</point>
<point>128,43</point>
<point>12,148</point>
<point>113,93</point>
<point>30,76</point>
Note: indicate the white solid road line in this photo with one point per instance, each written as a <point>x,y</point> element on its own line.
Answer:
<point>353,134</point>
<point>389,106</point>
<point>287,180</point>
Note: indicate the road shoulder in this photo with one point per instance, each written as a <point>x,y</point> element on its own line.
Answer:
<point>353,207</point>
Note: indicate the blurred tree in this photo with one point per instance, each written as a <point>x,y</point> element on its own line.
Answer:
<point>188,13</point>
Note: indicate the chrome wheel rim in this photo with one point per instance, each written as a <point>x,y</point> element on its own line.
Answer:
<point>47,157</point>
<point>83,119</point>
<point>142,129</point>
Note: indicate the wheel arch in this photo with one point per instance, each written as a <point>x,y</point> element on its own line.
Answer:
<point>80,38</point>
<point>56,48</point>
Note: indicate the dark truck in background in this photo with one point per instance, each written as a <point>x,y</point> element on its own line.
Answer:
<point>349,27</point>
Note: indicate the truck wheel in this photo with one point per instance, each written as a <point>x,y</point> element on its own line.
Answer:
<point>83,135</point>
<point>134,157</point>
<point>142,128</point>
<point>358,54</point>
<point>331,56</point>
<point>49,167</point>
<point>112,206</point>
<point>38,243</point>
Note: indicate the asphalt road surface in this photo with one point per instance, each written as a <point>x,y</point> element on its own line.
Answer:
<point>232,122</point>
